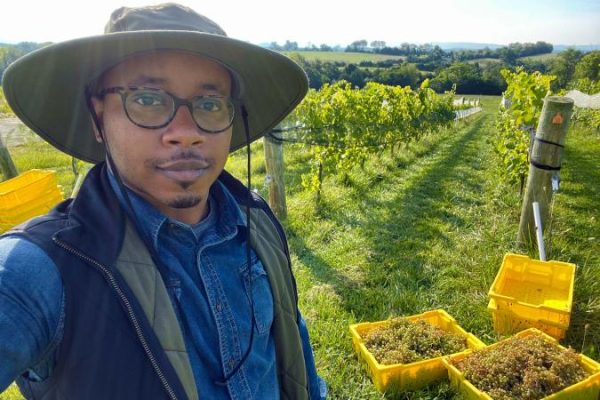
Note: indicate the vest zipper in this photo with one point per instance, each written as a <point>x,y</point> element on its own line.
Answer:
<point>138,330</point>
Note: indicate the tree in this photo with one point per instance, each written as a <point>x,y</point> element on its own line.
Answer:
<point>274,46</point>
<point>466,77</point>
<point>355,75</point>
<point>563,67</point>
<point>377,44</point>
<point>325,47</point>
<point>290,46</point>
<point>357,45</point>
<point>437,53</point>
<point>401,75</point>
<point>8,55</point>
<point>588,67</point>
<point>508,55</point>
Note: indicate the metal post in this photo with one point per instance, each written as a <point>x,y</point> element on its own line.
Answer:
<point>539,229</point>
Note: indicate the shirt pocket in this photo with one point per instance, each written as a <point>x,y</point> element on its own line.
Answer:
<point>258,291</point>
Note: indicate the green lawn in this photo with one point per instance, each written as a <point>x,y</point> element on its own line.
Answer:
<point>425,230</point>
<point>540,57</point>
<point>484,61</point>
<point>332,56</point>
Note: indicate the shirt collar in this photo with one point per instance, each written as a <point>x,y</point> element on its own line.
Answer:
<point>224,212</point>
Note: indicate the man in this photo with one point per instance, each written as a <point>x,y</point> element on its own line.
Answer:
<point>165,278</point>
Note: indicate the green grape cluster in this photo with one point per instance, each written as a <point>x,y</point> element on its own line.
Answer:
<point>402,341</point>
<point>522,368</point>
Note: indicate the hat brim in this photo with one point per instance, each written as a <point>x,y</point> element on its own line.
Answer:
<point>46,88</point>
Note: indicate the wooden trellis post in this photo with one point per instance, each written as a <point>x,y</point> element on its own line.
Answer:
<point>274,176</point>
<point>7,167</point>
<point>545,161</point>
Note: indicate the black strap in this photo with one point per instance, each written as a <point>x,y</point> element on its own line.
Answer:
<point>539,139</point>
<point>544,166</point>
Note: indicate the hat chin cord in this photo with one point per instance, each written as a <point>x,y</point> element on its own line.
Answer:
<point>130,211</point>
<point>227,377</point>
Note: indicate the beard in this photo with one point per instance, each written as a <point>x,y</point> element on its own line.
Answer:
<point>185,201</point>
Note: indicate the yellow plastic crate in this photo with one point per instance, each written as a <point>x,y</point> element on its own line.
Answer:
<point>506,323</point>
<point>415,375</point>
<point>28,195</point>
<point>25,188</point>
<point>587,389</point>
<point>530,293</point>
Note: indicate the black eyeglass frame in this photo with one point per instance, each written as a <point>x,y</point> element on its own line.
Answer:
<point>124,92</point>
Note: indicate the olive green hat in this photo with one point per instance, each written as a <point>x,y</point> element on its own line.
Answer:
<point>47,88</point>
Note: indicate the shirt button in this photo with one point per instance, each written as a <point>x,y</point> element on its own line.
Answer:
<point>219,307</point>
<point>231,363</point>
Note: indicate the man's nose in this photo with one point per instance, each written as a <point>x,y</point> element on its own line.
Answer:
<point>183,130</point>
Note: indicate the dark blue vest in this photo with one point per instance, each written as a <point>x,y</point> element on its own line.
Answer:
<point>108,350</point>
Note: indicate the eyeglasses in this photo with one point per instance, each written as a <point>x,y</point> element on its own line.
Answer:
<point>155,108</point>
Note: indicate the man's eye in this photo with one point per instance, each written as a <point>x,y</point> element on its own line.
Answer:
<point>147,99</point>
<point>209,105</point>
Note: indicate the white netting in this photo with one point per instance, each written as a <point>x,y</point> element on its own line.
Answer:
<point>460,114</point>
<point>583,100</point>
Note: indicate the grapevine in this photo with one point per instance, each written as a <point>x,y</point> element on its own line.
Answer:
<point>345,125</point>
<point>514,124</point>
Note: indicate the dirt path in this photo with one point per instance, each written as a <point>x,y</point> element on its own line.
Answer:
<point>14,133</point>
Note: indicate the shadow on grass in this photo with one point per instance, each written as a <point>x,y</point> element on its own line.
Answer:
<point>581,244</point>
<point>398,230</point>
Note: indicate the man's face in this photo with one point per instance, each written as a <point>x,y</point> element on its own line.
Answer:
<point>174,166</point>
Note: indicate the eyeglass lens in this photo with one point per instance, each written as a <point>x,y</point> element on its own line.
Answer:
<point>156,108</point>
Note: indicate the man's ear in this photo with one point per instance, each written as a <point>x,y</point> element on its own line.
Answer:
<point>97,117</point>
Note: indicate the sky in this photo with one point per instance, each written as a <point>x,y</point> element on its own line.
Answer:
<point>565,22</point>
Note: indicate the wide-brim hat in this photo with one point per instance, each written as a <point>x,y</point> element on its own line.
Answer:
<point>47,88</point>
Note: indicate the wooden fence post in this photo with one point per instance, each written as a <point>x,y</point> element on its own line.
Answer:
<point>545,161</point>
<point>274,177</point>
<point>7,167</point>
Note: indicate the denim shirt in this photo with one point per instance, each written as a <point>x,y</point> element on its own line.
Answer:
<point>217,297</point>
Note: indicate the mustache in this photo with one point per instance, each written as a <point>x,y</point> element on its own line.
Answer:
<point>186,156</point>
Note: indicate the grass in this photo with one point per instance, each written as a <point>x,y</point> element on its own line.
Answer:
<point>540,57</point>
<point>347,57</point>
<point>425,230</point>
<point>484,61</point>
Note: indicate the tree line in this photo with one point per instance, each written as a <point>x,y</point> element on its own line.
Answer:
<point>413,50</point>
<point>471,77</point>
<point>11,52</point>
<point>444,69</point>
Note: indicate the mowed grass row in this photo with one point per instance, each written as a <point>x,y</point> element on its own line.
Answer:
<point>425,230</point>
